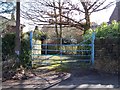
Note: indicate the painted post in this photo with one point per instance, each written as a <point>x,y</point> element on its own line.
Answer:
<point>46,50</point>
<point>31,35</point>
<point>61,49</point>
<point>46,47</point>
<point>93,38</point>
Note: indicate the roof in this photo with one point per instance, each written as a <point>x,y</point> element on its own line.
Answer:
<point>3,17</point>
<point>115,14</point>
<point>7,21</point>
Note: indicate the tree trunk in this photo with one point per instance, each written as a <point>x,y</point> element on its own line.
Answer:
<point>60,12</point>
<point>87,17</point>
<point>87,24</point>
<point>56,26</point>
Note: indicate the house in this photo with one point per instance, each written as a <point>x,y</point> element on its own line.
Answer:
<point>8,26</point>
<point>4,22</point>
<point>116,13</point>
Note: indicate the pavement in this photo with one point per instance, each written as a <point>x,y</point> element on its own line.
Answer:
<point>89,79</point>
<point>73,80</point>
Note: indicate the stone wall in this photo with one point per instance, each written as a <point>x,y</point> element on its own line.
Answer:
<point>37,48</point>
<point>107,54</point>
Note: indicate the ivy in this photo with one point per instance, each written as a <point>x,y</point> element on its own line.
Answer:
<point>39,35</point>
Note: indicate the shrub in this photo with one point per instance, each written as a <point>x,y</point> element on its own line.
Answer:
<point>39,35</point>
<point>25,56</point>
<point>106,36</point>
<point>8,45</point>
<point>106,30</point>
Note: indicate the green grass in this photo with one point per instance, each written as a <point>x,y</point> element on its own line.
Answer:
<point>55,64</point>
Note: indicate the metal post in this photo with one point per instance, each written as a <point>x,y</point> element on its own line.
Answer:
<point>93,38</point>
<point>46,51</point>
<point>61,49</point>
<point>46,47</point>
<point>31,45</point>
<point>31,35</point>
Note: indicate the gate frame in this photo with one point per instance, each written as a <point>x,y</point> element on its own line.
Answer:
<point>93,49</point>
<point>92,46</point>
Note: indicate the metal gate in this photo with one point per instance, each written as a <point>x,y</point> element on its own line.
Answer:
<point>43,53</point>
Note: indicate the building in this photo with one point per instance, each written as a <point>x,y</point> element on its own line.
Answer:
<point>8,26</point>
<point>116,13</point>
<point>4,23</point>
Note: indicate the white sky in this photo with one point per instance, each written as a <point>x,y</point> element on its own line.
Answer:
<point>98,17</point>
<point>102,16</point>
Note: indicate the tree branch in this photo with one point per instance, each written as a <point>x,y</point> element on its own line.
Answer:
<point>93,4</point>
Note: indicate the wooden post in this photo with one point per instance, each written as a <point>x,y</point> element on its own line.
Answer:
<point>17,39</point>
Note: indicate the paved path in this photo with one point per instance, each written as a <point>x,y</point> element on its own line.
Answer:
<point>88,79</point>
<point>73,80</point>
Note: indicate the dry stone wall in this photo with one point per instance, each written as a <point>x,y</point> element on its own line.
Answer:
<point>107,54</point>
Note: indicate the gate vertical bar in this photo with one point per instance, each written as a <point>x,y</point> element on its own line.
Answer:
<point>93,38</point>
<point>31,45</point>
<point>61,49</point>
<point>31,35</point>
<point>46,47</point>
<point>46,51</point>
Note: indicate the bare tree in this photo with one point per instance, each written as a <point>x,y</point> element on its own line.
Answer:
<point>54,13</point>
<point>89,7</point>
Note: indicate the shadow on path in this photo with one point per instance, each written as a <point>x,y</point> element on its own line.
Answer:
<point>89,79</point>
